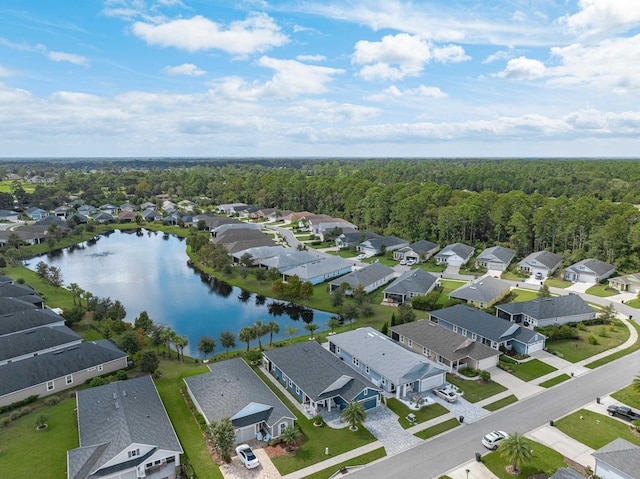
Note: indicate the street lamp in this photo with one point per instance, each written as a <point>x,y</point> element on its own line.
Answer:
<point>467,471</point>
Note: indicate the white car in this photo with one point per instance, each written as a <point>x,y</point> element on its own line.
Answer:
<point>403,262</point>
<point>361,256</point>
<point>247,457</point>
<point>492,440</point>
<point>446,394</point>
<point>411,262</point>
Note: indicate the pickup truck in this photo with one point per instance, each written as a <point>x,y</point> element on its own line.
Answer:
<point>623,412</point>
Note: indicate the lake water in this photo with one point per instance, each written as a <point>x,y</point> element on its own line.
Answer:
<point>147,270</point>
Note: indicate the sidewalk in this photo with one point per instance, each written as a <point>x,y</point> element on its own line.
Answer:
<point>334,461</point>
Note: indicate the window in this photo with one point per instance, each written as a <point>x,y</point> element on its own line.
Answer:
<point>402,339</point>
<point>455,329</point>
<point>410,343</point>
<point>100,367</point>
<point>148,465</point>
<point>384,381</point>
<point>425,351</point>
<point>133,453</point>
<point>297,390</point>
<point>93,368</point>
<point>356,362</point>
<point>69,379</point>
<point>366,369</point>
<point>50,386</point>
<point>338,350</point>
<point>366,392</point>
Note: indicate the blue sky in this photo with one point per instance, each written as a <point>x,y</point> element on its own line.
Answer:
<point>321,78</point>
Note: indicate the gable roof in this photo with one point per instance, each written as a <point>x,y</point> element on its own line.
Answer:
<point>319,267</point>
<point>113,417</point>
<point>357,236</point>
<point>497,254</point>
<point>621,455</point>
<point>420,247</point>
<point>486,325</point>
<point>462,250</point>
<point>626,279</point>
<point>546,258</point>
<point>413,281</point>
<point>598,267</point>
<point>443,341</point>
<point>566,473</point>
<point>546,308</point>
<point>35,340</point>
<point>365,276</point>
<point>27,319</point>
<point>385,356</point>
<point>317,372</point>
<point>289,259</point>
<point>386,241</point>
<point>229,388</point>
<point>482,290</point>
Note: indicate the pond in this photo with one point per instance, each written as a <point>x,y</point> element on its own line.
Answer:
<point>150,271</point>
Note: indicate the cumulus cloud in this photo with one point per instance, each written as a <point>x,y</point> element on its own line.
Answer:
<point>257,33</point>
<point>523,68</point>
<point>401,55</point>
<point>67,57</point>
<point>188,69</point>
<point>311,58</point>
<point>499,55</point>
<point>604,16</point>
<point>394,92</point>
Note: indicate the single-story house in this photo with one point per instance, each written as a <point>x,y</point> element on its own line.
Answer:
<point>35,213</point>
<point>150,215</point>
<point>541,263</point>
<point>455,254</point>
<point>353,238</point>
<point>148,205</point>
<point>448,349</point>
<point>566,473</point>
<point>379,245</point>
<point>237,225</point>
<point>496,258</point>
<point>296,217</point>
<point>87,210</point>
<point>124,432</point>
<point>288,259</point>
<point>186,205</point>
<point>63,211</point>
<point>483,292</point>
<point>487,329</point>
<point>26,236</point>
<point>318,379</point>
<point>263,213</point>
<point>320,226</point>
<point>420,251</point>
<point>371,277</point>
<point>248,211</point>
<point>629,283</point>
<point>126,216</point>
<point>128,207</point>
<point>229,208</point>
<point>588,271</point>
<point>7,215</point>
<point>279,215</point>
<point>52,220</point>
<point>110,209</point>
<point>415,282</point>
<point>542,312</point>
<point>231,389</point>
<point>104,218</point>
<point>385,363</point>
<point>619,459</point>
<point>320,270</point>
<point>260,253</point>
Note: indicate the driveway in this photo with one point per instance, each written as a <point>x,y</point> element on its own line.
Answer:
<point>266,469</point>
<point>383,424</point>
<point>579,287</point>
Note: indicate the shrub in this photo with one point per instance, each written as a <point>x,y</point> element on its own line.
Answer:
<point>602,332</point>
<point>52,401</point>
<point>593,340</point>
<point>122,375</point>
<point>485,376</point>
<point>18,404</point>
<point>95,382</point>
<point>468,372</point>
<point>581,326</point>
<point>5,422</point>
<point>253,355</point>
<point>157,374</point>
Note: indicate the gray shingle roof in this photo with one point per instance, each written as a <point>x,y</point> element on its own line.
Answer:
<point>416,281</point>
<point>486,325</point>
<point>28,319</point>
<point>546,258</point>
<point>319,267</point>
<point>387,241</point>
<point>319,373</point>
<point>421,247</point>
<point>242,245</point>
<point>566,473</point>
<point>627,279</point>
<point>260,253</point>
<point>598,267</point>
<point>485,290</point>
<point>46,367</point>
<point>106,430</point>
<point>35,340</point>
<point>545,308</point>
<point>10,305</point>
<point>365,276</point>
<point>462,250</point>
<point>497,253</point>
<point>383,355</point>
<point>290,259</point>
<point>357,236</point>
<point>622,455</point>
<point>442,341</point>
<point>229,388</point>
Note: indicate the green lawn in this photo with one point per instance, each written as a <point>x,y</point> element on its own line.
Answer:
<point>532,369</point>
<point>634,303</point>
<point>474,390</point>
<point>514,276</point>
<point>577,350</point>
<point>6,186</point>
<point>356,461</point>
<point>500,403</point>
<point>601,290</point>
<point>426,413</point>
<point>26,452</point>
<point>557,283</point>
<point>522,295</point>
<point>628,396</point>
<point>544,460</point>
<point>619,354</point>
<point>555,380</point>
<point>437,429</point>
<point>432,267</point>
<point>595,430</point>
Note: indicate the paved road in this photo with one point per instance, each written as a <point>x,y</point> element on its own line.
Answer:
<point>435,457</point>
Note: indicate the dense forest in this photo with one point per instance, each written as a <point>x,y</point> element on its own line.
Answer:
<point>576,208</point>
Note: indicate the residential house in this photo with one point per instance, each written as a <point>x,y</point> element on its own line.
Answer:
<point>12,216</point>
<point>242,225</point>
<point>415,282</point>
<point>420,251</point>
<point>385,363</point>
<point>186,205</point>
<point>230,208</point>
<point>487,329</point>
<point>126,216</point>
<point>278,215</point>
<point>130,207</point>
<point>496,258</point>
<point>211,222</point>
<point>449,350</point>
<point>374,246</point>
<point>247,211</point>
<point>620,459</point>
<point>588,271</point>
<point>63,211</point>
<point>326,230</point>
<point>483,292</point>
<point>371,277</point>
<point>52,220</point>
<point>260,253</point>
<point>148,205</point>
<point>320,270</point>
<point>27,237</point>
<point>263,213</point>
<point>77,219</point>
<point>150,215</point>
<point>20,291</point>
<point>124,432</point>
<point>288,259</point>
<point>566,473</point>
<point>456,254</point>
<point>104,218</point>
<point>168,206</point>
<point>110,209</point>
<point>318,379</point>
<point>231,389</point>
<point>87,210</point>
<point>540,264</point>
<point>629,283</point>
<point>543,312</point>
<point>353,238</point>
<point>295,217</point>
<point>35,213</point>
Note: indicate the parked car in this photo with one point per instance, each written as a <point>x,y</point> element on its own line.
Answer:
<point>492,440</point>
<point>361,256</point>
<point>446,394</point>
<point>623,412</point>
<point>403,262</point>
<point>247,457</point>
<point>411,262</point>
<point>538,275</point>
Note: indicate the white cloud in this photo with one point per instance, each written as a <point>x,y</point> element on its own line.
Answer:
<point>5,72</point>
<point>523,68</point>
<point>394,92</point>
<point>257,33</point>
<point>323,111</point>
<point>188,69</point>
<point>604,16</point>
<point>409,52</point>
<point>67,57</point>
<point>311,58</point>
<point>499,55</point>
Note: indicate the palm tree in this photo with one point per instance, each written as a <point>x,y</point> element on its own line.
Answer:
<point>290,435</point>
<point>333,323</point>
<point>311,327</point>
<point>353,414</point>
<point>181,342</point>
<point>272,327</point>
<point>76,292</point>
<point>260,329</point>
<point>166,336</point>
<point>516,450</point>
<point>290,331</point>
<point>247,334</point>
